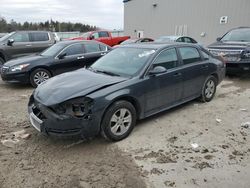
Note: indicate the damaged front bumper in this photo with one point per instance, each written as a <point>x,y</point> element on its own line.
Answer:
<point>47,121</point>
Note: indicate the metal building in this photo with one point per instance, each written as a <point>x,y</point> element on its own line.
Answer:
<point>204,20</point>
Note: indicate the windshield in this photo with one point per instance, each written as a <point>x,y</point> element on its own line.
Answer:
<point>6,36</point>
<point>129,41</point>
<point>53,50</point>
<point>123,61</point>
<point>240,35</point>
<point>85,35</point>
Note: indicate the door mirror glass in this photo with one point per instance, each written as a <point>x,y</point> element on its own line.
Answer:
<point>157,70</point>
<point>218,39</point>
<point>10,42</point>
<point>62,55</point>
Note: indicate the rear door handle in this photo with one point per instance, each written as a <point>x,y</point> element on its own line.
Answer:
<point>204,66</point>
<point>28,45</point>
<point>80,57</point>
<point>177,74</point>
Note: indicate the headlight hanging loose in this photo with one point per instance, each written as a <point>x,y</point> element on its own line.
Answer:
<point>78,110</point>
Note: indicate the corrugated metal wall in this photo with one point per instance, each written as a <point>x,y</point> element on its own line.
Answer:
<point>191,17</point>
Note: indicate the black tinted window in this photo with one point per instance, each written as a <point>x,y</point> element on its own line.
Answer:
<point>74,50</point>
<point>21,37</point>
<point>187,40</point>
<point>167,59</point>
<point>180,39</point>
<point>103,34</point>
<point>36,37</point>
<point>189,55</point>
<point>91,47</point>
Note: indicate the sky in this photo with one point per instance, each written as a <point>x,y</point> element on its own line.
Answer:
<point>106,14</point>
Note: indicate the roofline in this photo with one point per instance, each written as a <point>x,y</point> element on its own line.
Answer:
<point>125,1</point>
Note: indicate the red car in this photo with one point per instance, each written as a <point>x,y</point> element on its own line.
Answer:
<point>102,36</point>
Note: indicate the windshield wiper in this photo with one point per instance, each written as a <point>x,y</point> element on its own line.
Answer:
<point>107,72</point>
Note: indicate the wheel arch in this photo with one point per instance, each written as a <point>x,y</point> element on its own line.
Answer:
<point>127,98</point>
<point>40,67</point>
<point>216,77</point>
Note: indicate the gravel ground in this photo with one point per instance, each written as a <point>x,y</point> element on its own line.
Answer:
<point>194,145</point>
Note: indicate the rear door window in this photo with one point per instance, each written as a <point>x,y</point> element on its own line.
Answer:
<point>189,55</point>
<point>74,50</point>
<point>91,47</point>
<point>21,37</point>
<point>39,37</point>
<point>103,34</point>
<point>167,58</point>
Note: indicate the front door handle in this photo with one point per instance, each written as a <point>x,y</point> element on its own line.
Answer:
<point>28,45</point>
<point>103,53</point>
<point>204,66</point>
<point>177,74</point>
<point>80,57</point>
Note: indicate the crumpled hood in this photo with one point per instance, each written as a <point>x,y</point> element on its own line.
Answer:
<point>71,85</point>
<point>24,60</point>
<point>229,45</point>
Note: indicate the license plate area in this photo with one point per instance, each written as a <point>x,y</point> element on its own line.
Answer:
<point>35,121</point>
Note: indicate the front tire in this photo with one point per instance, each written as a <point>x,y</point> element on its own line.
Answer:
<point>209,89</point>
<point>39,76</point>
<point>118,121</point>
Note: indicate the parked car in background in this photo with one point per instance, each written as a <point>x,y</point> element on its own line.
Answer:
<point>234,46</point>
<point>22,43</point>
<point>62,57</point>
<point>102,36</point>
<point>129,83</point>
<point>176,39</point>
<point>3,34</point>
<point>56,37</point>
<point>135,40</point>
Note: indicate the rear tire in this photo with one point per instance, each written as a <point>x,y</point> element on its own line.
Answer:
<point>209,89</point>
<point>118,121</point>
<point>38,76</point>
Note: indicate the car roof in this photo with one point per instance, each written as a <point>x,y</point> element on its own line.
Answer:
<point>68,42</point>
<point>173,37</point>
<point>158,45</point>
<point>30,31</point>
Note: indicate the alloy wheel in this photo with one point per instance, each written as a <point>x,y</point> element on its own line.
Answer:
<point>40,77</point>
<point>120,121</point>
<point>209,89</point>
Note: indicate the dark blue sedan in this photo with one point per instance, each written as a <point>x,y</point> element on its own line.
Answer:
<point>130,83</point>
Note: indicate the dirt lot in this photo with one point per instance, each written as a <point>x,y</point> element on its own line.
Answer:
<point>195,145</point>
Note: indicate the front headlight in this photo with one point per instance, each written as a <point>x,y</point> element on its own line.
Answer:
<point>18,67</point>
<point>246,54</point>
<point>79,107</point>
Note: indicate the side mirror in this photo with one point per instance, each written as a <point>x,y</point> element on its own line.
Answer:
<point>92,37</point>
<point>157,70</point>
<point>218,39</point>
<point>62,55</point>
<point>10,42</point>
